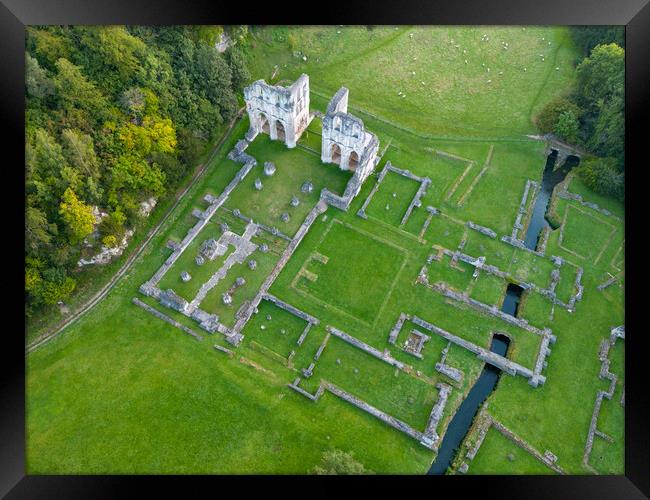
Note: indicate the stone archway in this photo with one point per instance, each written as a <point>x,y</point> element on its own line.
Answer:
<point>336,154</point>
<point>280,131</point>
<point>353,161</point>
<point>264,124</point>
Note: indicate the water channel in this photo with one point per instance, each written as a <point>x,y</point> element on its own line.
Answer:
<point>550,178</point>
<point>487,381</point>
<point>481,389</point>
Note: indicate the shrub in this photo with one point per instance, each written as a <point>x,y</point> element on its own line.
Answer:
<point>109,241</point>
<point>602,176</point>
<point>567,126</point>
<point>336,462</point>
<point>548,117</point>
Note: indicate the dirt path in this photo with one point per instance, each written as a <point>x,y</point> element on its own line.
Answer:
<point>60,327</point>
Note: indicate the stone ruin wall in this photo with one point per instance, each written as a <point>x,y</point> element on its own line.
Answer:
<point>274,104</point>
<point>346,132</point>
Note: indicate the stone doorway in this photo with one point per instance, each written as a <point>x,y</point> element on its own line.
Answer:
<point>336,154</point>
<point>353,161</point>
<point>264,124</point>
<point>279,130</point>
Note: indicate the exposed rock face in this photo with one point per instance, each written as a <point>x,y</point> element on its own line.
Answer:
<point>107,253</point>
<point>147,206</point>
<point>281,112</point>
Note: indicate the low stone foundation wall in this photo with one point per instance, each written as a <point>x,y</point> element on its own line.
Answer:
<point>384,417</point>
<point>291,309</point>
<point>384,356</point>
<point>166,318</point>
<point>481,229</point>
<point>606,344</point>
<point>504,364</point>
<point>318,209</point>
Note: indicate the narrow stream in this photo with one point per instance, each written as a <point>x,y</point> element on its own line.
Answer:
<point>485,384</point>
<point>550,178</point>
<point>487,381</point>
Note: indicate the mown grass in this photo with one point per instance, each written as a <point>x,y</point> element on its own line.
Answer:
<point>456,98</point>
<point>499,455</point>
<point>123,392</point>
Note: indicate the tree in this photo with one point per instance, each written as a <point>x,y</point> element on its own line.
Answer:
<point>78,216</point>
<point>601,76</point>
<point>567,126</point>
<point>43,162</point>
<point>608,138</point>
<point>47,45</point>
<point>238,69</point>
<point>587,37</point>
<point>79,151</point>
<point>602,176</point>
<point>37,83</point>
<point>336,462</point>
<point>55,286</point>
<point>38,231</point>
<point>207,34</point>
<point>109,241</point>
<point>548,117</point>
<point>76,92</point>
<point>110,55</point>
<point>113,225</point>
<point>133,101</point>
<point>213,79</point>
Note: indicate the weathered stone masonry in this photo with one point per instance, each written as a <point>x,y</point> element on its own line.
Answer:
<point>281,112</point>
<point>535,377</point>
<point>616,333</point>
<point>346,142</point>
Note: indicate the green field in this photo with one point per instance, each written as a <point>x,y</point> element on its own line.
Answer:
<point>124,392</point>
<point>352,254</point>
<point>499,455</point>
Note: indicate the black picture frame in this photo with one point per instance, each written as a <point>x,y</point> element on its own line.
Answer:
<point>634,14</point>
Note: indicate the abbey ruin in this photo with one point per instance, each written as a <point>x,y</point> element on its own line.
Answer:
<point>281,112</point>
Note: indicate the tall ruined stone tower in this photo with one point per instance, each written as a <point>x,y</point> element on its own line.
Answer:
<point>345,141</point>
<point>281,112</point>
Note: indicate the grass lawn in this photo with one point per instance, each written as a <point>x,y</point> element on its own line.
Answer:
<point>489,289</point>
<point>392,198</point>
<point>530,268</point>
<point>280,332</point>
<point>535,308</point>
<point>585,234</point>
<point>124,392</point>
<point>352,254</point>
<point>499,455</point>
<point>457,98</point>
<point>293,168</point>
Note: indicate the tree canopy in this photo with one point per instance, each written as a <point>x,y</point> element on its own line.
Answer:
<point>593,114</point>
<point>114,115</point>
<point>338,462</point>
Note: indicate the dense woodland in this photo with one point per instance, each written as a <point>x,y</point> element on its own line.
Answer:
<point>592,115</point>
<point>114,115</point>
